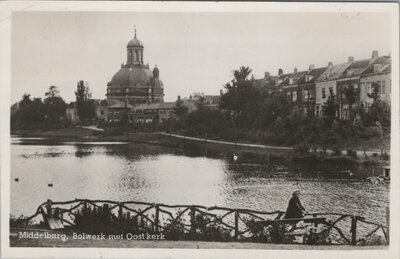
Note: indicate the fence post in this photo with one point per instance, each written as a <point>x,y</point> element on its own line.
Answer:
<point>120,214</point>
<point>353,230</point>
<point>192,220</point>
<point>156,220</point>
<point>236,224</point>
<point>141,220</point>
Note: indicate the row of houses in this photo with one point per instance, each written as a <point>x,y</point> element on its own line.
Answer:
<point>310,89</point>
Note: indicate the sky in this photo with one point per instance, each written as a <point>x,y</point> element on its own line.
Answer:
<point>195,52</point>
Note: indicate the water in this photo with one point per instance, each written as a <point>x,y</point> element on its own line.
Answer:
<point>140,172</point>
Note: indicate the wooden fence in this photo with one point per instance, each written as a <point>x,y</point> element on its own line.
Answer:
<point>238,223</point>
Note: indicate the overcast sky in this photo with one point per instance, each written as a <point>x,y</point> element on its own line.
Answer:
<point>195,52</point>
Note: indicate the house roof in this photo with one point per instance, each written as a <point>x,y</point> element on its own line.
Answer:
<point>265,82</point>
<point>356,68</point>
<point>296,78</point>
<point>384,61</point>
<point>314,75</point>
<point>333,72</point>
<point>281,79</point>
<point>212,99</point>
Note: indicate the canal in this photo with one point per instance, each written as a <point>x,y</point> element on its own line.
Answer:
<point>140,172</point>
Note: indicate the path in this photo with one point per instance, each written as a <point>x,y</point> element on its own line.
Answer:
<point>359,152</point>
<point>225,142</point>
<point>91,128</point>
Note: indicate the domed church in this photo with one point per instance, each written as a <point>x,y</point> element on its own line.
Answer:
<point>135,83</point>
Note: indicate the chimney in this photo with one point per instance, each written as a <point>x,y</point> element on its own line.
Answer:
<point>351,59</point>
<point>375,54</point>
<point>266,75</point>
<point>179,97</point>
<point>330,64</point>
<point>280,72</point>
<point>311,67</point>
<point>295,70</point>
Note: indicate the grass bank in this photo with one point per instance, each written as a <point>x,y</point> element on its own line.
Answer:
<point>246,153</point>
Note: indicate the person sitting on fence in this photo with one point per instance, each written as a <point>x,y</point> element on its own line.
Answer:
<point>295,208</point>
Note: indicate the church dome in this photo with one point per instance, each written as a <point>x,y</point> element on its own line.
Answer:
<point>131,76</point>
<point>157,83</point>
<point>135,43</point>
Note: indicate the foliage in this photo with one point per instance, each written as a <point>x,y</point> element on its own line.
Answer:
<point>372,240</point>
<point>54,105</point>
<point>208,229</point>
<point>321,238</point>
<point>36,114</point>
<point>20,221</point>
<point>85,106</point>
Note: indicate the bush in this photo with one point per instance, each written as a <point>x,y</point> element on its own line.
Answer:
<point>373,240</point>
<point>351,153</point>
<point>385,156</point>
<point>301,149</point>
<point>20,221</point>
<point>321,238</point>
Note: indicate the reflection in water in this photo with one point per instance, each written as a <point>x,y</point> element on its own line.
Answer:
<point>152,173</point>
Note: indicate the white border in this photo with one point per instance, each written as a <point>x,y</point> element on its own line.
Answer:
<point>6,9</point>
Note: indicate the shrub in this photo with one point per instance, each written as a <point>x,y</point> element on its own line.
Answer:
<point>20,221</point>
<point>385,156</point>
<point>321,238</point>
<point>301,149</point>
<point>372,240</point>
<point>351,153</point>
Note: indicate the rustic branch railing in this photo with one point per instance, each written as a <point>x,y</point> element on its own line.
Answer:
<point>237,224</point>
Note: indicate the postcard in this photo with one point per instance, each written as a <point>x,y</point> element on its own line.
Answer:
<point>199,130</point>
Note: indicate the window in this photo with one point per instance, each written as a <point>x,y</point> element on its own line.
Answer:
<point>294,96</point>
<point>330,90</point>
<point>290,81</point>
<point>323,93</point>
<point>288,96</point>
<point>317,111</point>
<point>305,95</point>
<point>376,68</point>
<point>369,88</point>
<point>311,94</point>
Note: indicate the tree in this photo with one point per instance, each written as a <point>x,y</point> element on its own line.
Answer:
<point>351,94</point>
<point>84,105</point>
<point>30,114</point>
<point>330,109</point>
<point>379,111</point>
<point>54,105</point>
<point>200,100</point>
<point>180,110</point>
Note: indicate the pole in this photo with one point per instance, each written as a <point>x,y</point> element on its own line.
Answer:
<point>236,225</point>
<point>156,220</point>
<point>353,230</point>
<point>192,220</point>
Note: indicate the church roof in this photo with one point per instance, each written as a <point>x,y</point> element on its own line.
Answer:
<point>131,76</point>
<point>135,43</point>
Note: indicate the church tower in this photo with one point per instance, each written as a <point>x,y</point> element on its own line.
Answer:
<point>134,52</point>
<point>135,83</point>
